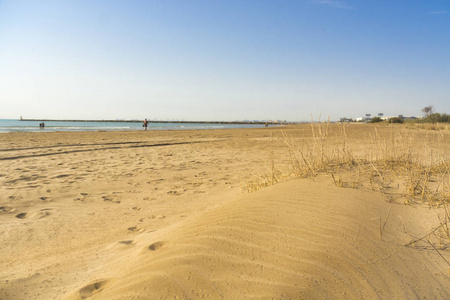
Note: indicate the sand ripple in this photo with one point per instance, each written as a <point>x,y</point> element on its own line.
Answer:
<point>295,240</point>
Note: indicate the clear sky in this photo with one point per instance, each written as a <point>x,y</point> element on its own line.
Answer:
<point>223,59</point>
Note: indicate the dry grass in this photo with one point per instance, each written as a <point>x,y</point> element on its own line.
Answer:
<point>401,164</point>
<point>428,126</point>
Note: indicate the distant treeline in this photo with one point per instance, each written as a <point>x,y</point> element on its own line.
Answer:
<point>431,118</point>
<point>436,118</point>
<point>390,120</point>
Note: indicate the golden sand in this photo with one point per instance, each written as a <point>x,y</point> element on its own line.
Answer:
<point>162,214</point>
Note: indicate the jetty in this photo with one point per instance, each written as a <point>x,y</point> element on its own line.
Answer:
<point>276,122</point>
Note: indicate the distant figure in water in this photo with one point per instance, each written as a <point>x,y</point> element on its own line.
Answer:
<point>42,125</point>
<point>145,125</point>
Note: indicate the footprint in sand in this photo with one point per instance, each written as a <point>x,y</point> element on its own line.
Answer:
<point>156,246</point>
<point>93,288</point>
<point>110,198</point>
<point>157,217</point>
<point>84,197</point>
<point>128,242</point>
<point>62,176</point>
<point>177,192</point>
<point>135,229</point>
<point>121,245</point>
<point>36,214</point>
<point>7,209</point>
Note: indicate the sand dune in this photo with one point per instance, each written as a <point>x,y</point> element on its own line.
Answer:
<point>295,240</point>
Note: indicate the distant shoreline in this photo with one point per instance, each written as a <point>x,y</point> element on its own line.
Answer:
<point>182,122</point>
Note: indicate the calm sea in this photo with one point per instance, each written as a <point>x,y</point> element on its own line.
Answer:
<point>33,126</point>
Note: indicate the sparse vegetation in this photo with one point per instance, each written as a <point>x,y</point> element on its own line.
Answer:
<point>436,118</point>
<point>390,159</point>
<point>396,120</point>
<point>428,126</point>
<point>391,163</point>
<point>376,120</point>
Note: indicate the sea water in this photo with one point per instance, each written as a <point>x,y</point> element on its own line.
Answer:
<point>8,125</point>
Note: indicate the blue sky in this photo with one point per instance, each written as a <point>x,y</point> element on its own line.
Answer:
<point>223,60</point>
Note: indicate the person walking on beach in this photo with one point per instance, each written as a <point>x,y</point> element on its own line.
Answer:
<point>145,125</point>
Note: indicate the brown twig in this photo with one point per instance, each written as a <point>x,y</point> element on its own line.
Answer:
<point>384,224</point>
<point>438,252</point>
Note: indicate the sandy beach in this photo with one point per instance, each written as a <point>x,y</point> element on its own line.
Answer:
<point>167,214</point>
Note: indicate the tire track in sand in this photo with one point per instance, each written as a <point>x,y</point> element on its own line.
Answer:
<point>98,149</point>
